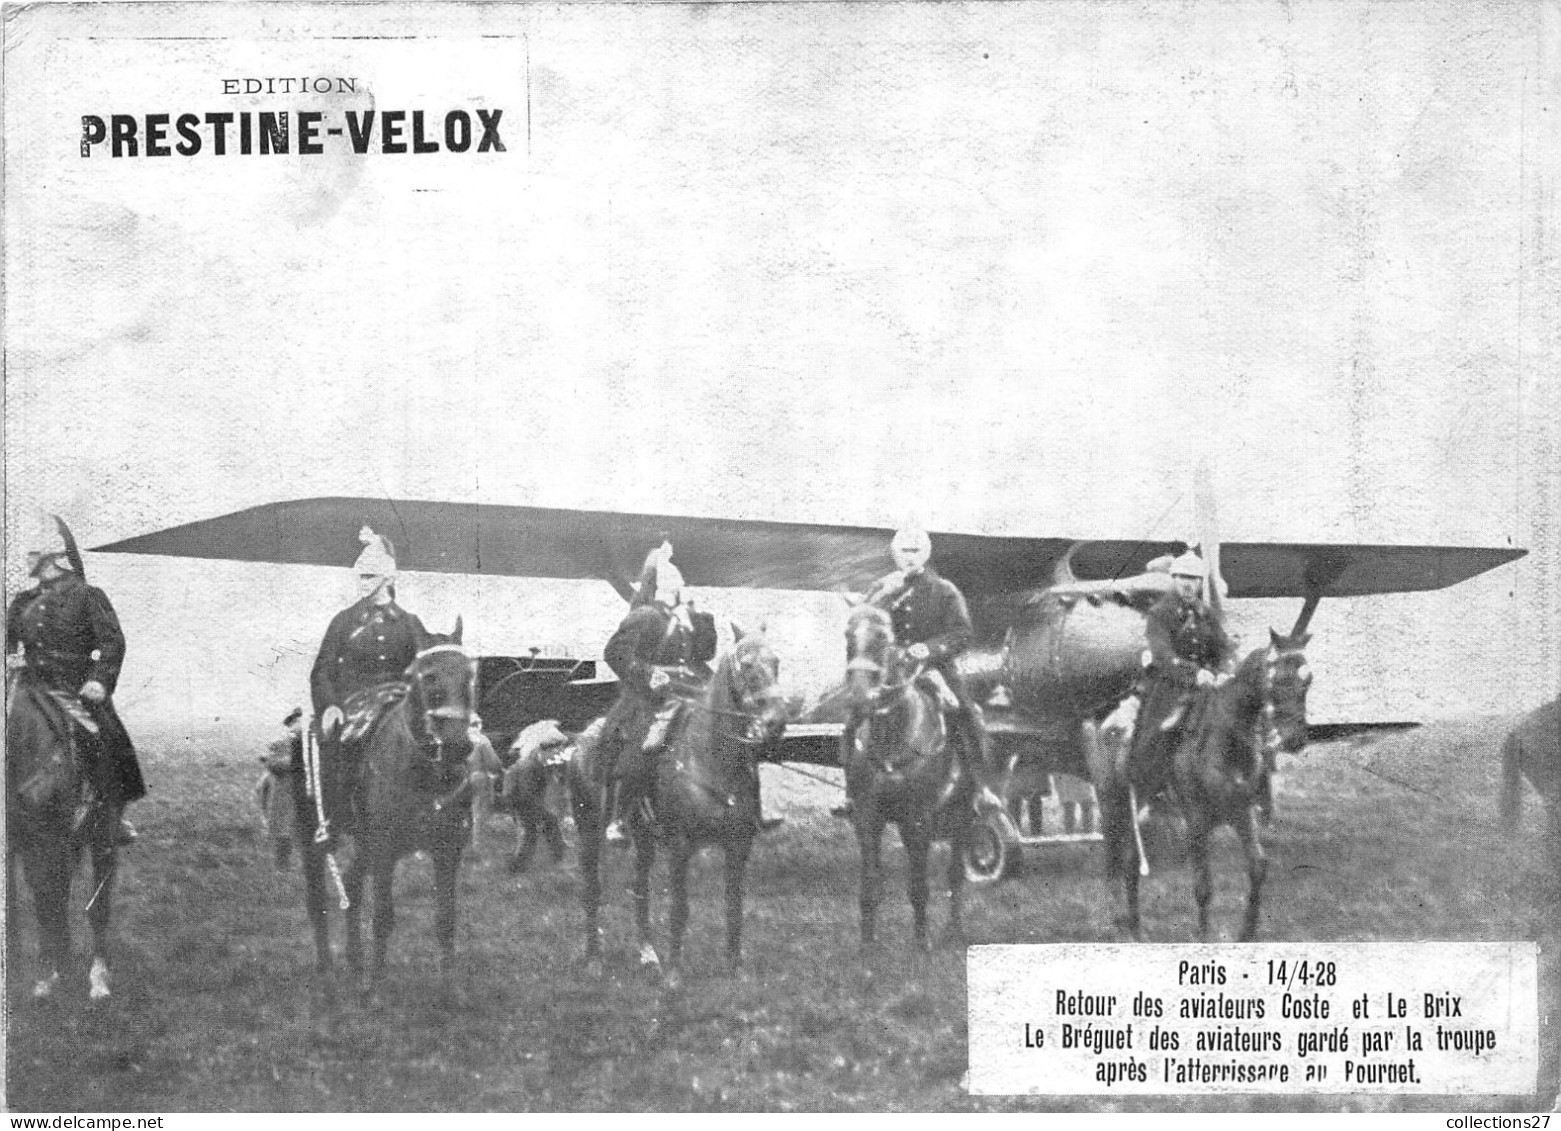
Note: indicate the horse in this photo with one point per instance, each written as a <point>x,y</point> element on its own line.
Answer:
<point>539,753</point>
<point>46,830</point>
<point>1533,750</point>
<point>901,770</point>
<point>704,790</point>
<point>1217,771</point>
<point>414,785</point>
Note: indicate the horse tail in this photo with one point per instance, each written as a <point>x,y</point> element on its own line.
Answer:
<point>1512,781</point>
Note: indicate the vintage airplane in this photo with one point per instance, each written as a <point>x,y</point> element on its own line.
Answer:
<point>1052,648</point>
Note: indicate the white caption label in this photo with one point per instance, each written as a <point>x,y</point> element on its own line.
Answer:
<point>1431,1018</point>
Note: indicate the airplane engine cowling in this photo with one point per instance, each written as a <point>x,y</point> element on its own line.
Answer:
<point>1067,655</point>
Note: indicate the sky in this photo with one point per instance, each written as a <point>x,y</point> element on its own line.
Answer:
<point>991,267</point>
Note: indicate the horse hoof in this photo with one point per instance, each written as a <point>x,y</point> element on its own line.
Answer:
<point>515,865</point>
<point>594,968</point>
<point>43,988</point>
<point>1129,929</point>
<point>648,956</point>
<point>97,980</point>
<point>674,980</point>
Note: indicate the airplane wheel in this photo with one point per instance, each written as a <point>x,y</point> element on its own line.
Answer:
<point>992,853</point>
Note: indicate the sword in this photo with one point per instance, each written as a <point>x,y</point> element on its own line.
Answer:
<point>314,784</point>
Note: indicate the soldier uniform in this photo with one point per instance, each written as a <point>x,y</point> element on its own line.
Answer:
<point>1188,648</point>
<point>928,609</point>
<point>659,634</point>
<point>70,640</point>
<point>365,645</point>
<point>368,644</point>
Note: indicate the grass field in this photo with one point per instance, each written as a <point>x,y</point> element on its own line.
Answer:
<point>1388,839</point>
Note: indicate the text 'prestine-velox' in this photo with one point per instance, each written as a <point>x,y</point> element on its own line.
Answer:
<point>266,132</point>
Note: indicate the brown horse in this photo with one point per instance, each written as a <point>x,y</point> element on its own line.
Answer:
<point>1218,773</point>
<point>46,831</point>
<point>705,790</point>
<point>1533,750</point>
<point>900,770</point>
<point>412,796</point>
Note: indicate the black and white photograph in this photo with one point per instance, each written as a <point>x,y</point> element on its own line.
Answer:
<point>782,556</point>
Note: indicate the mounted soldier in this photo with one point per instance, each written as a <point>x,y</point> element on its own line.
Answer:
<point>369,645</point>
<point>63,639</point>
<point>1188,653</point>
<point>662,647</point>
<point>932,622</point>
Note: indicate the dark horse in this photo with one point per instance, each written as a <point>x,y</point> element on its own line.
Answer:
<point>705,790</point>
<point>45,832</point>
<point>414,782</point>
<point>1218,772</point>
<point>901,770</point>
<point>1533,750</point>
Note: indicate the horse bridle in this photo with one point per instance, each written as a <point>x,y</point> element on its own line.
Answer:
<point>753,712</point>
<point>1270,741</point>
<point>430,714</point>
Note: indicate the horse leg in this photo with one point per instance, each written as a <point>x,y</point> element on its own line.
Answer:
<point>1203,883</point>
<point>48,864</point>
<point>916,838</point>
<point>677,919</point>
<point>736,861</point>
<point>105,864</point>
<point>954,933</point>
<point>644,859</point>
<point>447,876</point>
<point>312,861</point>
<point>353,883</point>
<point>525,839</point>
<point>588,828</point>
<point>385,914</point>
<point>1117,817</point>
<point>869,836</point>
<point>1257,872</point>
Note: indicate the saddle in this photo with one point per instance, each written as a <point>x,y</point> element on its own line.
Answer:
<point>363,709</point>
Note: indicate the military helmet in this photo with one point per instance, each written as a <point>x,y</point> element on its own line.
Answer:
<point>669,579</point>
<point>52,540</point>
<point>658,576</point>
<point>1189,565</point>
<point>379,556</point>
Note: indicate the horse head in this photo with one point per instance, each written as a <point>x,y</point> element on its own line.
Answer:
<point>871,654</point>
<point>751,671</point>
<point>442,682</point>
<point>1284,678</point>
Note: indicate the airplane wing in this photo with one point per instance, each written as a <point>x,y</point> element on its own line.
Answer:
<point>516,541</point>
